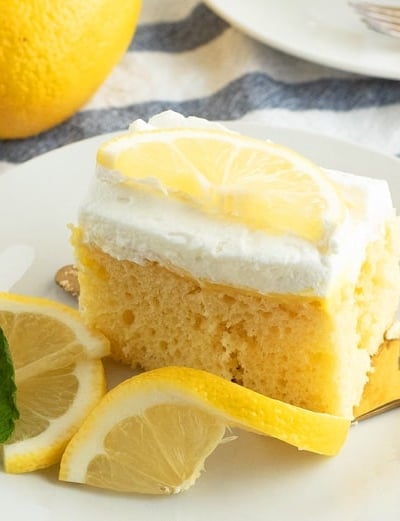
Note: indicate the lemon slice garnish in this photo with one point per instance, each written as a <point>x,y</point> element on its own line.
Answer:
<point>58,374</point>
<point>258,183</point>
<point>152,433</point>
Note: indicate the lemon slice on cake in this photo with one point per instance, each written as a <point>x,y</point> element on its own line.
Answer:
<point>152,433</point>
<point>258,183</point>
<point>58,374</point>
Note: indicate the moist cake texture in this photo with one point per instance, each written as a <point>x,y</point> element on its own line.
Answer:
<point>171,285</point>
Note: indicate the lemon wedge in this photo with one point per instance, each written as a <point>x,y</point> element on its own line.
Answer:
<point>152,433</point>
<point>58,374</point>
<point>259,183</point>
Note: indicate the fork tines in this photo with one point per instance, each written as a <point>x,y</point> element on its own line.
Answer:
<point>384,19</point>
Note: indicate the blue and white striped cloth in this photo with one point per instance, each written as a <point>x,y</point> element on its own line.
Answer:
<point>184,57</point>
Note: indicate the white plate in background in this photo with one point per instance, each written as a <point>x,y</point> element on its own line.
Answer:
<point>322,31</point>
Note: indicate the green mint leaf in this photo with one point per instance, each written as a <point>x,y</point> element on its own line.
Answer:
<point>8,407</point>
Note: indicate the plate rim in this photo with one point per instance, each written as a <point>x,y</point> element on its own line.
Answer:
<point>309,54</point>
<point>239,123</point>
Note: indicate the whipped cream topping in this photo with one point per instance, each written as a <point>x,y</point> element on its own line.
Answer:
<point>141,226</point>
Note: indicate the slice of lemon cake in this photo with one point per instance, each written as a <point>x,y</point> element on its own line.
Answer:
<point>200,247</point>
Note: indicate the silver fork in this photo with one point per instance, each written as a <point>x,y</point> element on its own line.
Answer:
<point>384,19</point>
<point>388,406</point>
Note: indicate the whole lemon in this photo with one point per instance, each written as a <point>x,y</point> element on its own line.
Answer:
<point>54,54</point>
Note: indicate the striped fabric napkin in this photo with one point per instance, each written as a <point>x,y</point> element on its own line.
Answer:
<point>185,57</point>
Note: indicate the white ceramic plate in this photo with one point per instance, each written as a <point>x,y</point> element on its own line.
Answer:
<point>323,31</point>
<point>252,478</point>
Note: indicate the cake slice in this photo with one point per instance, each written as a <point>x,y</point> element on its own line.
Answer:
<point>200,247</point>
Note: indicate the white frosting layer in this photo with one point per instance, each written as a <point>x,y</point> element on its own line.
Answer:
<point>140,226</point>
